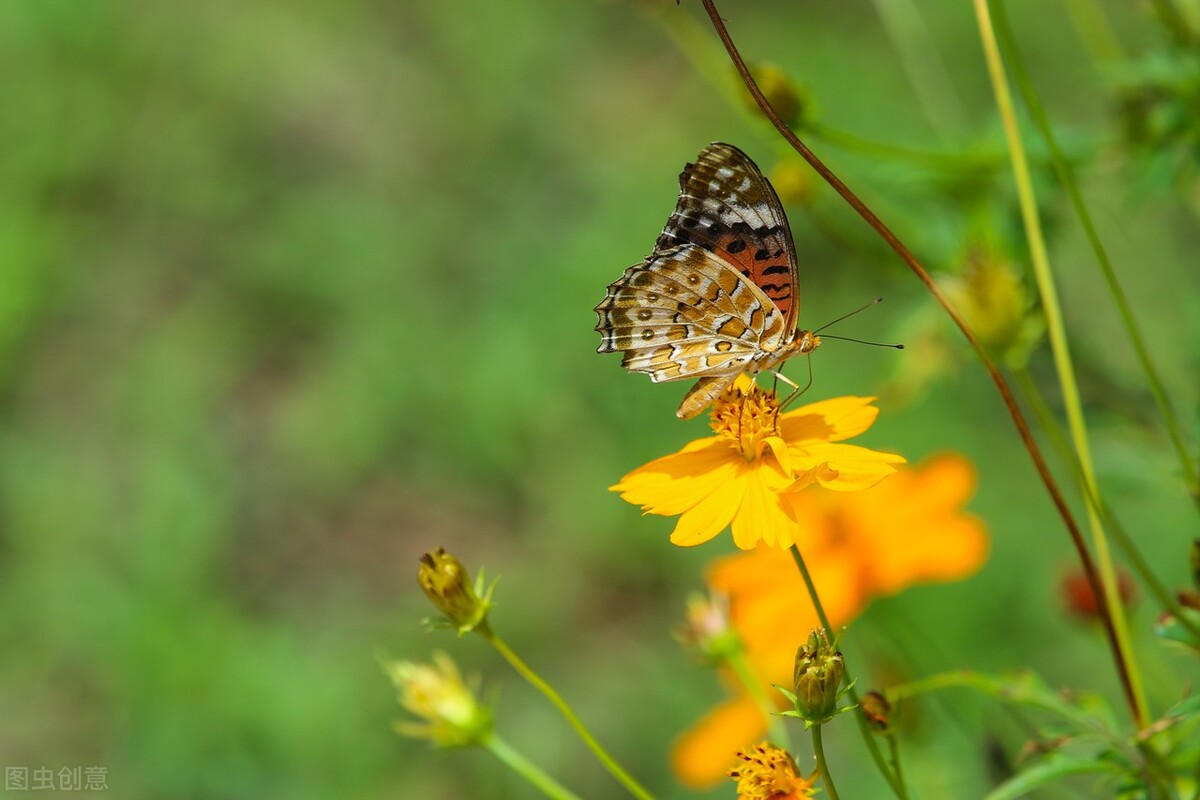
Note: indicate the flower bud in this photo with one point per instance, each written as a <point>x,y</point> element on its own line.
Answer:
<point>437,694</point>
<point>768,773</point>
<point>817,678</point>
<point>877,710</point>
<point>788,99</point>
<point>448,586</point>
<point>706,628</point>
<point>996,304</point>
<point>794,182</point>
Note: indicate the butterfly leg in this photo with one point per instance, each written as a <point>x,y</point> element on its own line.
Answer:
<point>797,390</point>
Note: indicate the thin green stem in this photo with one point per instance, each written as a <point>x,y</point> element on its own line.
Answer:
<point>1061,354</point>
<point>527,769</point>
<point>919,57</point>
<point>1167,601</point>
<point>1067,179</point>
<point>775,727</point>
<point>894,749</point>
<point>906,255</point>
<point>819,752</point>
<point>864,727</point>
<point>1094,30</point>
<point>556,700</point>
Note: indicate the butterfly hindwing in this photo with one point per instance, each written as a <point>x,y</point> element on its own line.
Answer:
<point>727,206</point>
<point>684,313</point>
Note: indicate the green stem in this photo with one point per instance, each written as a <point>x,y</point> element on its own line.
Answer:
<point>556,700</point>
<point>1062,359</point>
<point>1041,411</point>
<point>926,72</point>
<point>819,751</point>
<point>1067,178</point>
<point>1093,28</point>
<point>894,748</point>
<point>741,667</point>
<point>527,769</point>
<point>864,727</point>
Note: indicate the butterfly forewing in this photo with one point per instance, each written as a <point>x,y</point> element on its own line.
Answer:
<point>727,206</point>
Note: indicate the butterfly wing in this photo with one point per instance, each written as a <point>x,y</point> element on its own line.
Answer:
<point>685,313</point>
<point>727,206</point>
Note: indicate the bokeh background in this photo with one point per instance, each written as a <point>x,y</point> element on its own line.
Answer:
<point>293,292</point>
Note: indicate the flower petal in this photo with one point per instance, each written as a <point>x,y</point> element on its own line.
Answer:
<point>702,755</point>
<point>673,484</point>
<point>762,516</point>
<point>714,511</point>
<point>856,467</point>
<point>829,420</point>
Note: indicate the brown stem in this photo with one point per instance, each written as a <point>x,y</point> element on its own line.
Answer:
<point>1085,558</point>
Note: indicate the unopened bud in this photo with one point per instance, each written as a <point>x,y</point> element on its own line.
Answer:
<point>877,710</point>
<point>817,678</point>
<point>448,586</point>
<point>788,99</point>
<point>706,627</point>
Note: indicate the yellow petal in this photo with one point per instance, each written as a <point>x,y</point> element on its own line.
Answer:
<point>780,448</point>
<point>856,467</point>
<point>761,515</point>
<point>713,512</point>
<point>702,755</point>
<point>673,484</point>
<point>829,420</point>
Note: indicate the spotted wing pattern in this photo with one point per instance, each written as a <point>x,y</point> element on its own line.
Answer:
<point>726,206</point>
<point>685,313</point>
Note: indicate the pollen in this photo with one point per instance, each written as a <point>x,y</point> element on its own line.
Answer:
<point>747,416</point>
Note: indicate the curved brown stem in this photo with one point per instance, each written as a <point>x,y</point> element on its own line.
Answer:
<point>1018,418</point>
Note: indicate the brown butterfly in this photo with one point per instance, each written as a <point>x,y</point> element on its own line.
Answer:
<point>718,296</point>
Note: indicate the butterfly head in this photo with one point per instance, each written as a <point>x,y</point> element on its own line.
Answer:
<point>803,343</point>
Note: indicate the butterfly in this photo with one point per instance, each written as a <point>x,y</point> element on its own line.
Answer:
<point>718,296</point>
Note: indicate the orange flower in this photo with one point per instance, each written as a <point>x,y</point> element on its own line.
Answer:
<point>735,478</point>
<point>768,773</point>
<point>909,529</point>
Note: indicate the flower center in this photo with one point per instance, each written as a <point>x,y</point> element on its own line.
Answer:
<point>747,416</point>
<point>767,773</point>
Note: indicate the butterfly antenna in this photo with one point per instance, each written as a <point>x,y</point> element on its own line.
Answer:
<point>874,302</point>
<point>863,341</point>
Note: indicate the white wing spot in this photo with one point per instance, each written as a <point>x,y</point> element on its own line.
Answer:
<point>724,172</point>
<point>745,185</point>
<point>713,186</point>
<point>712,204</point>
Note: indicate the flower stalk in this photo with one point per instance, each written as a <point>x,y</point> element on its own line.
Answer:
<point>527,769</point>
<point>822,765</point>
<point>535,680</point>
<point>1062,359</point>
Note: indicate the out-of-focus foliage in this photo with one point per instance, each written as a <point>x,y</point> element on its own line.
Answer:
<point>292,293</point>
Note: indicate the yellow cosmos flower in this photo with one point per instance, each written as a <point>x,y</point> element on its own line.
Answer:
<point>768,773</point>
<point>736,477</point>
<point>909,529</point>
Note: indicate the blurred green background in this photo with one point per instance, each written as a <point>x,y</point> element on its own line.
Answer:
<point>293,292</point>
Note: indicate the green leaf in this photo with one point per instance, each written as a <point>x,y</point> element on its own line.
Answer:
<point>1172,630</point>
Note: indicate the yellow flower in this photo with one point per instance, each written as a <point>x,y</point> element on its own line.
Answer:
<point>768,773</point>
<point>437,694</point>
<point>735,478</point>
<point>909,529</point>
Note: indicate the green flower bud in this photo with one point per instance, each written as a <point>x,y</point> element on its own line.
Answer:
<point>817,679</point>
<point>448,586</point>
